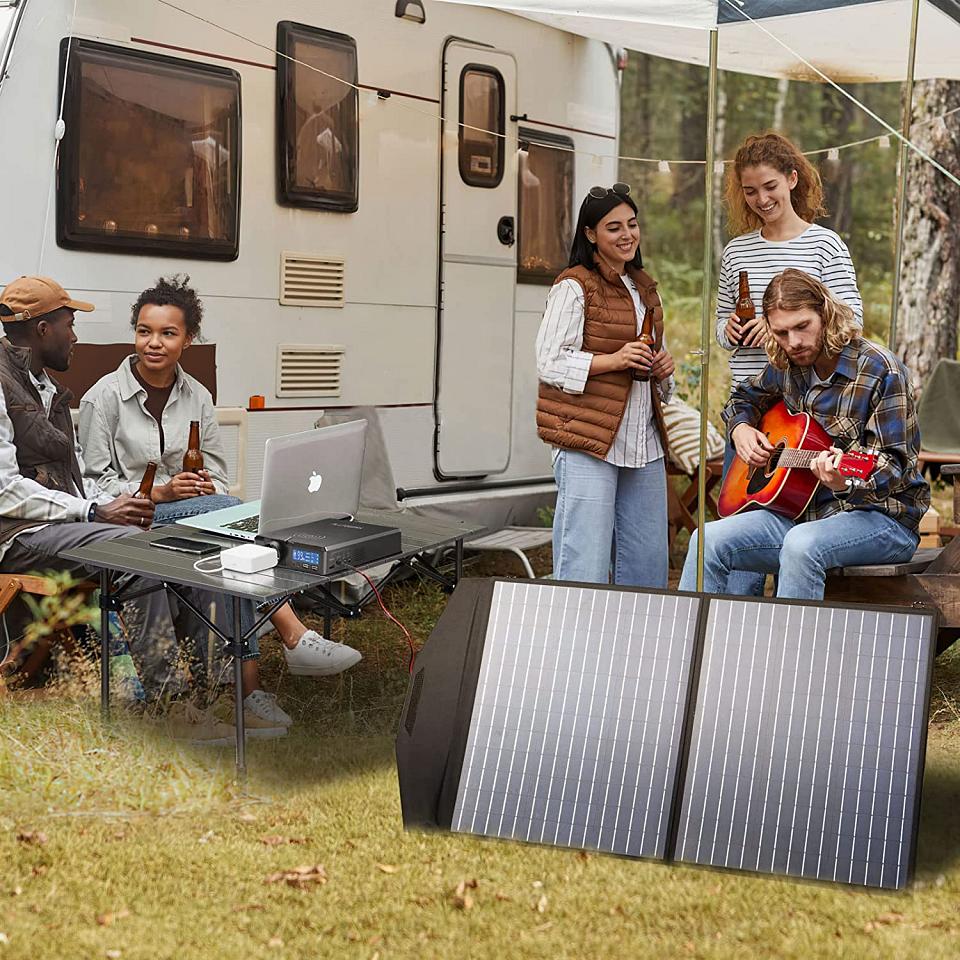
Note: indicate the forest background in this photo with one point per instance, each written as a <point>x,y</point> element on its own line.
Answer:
<point>664,116</point>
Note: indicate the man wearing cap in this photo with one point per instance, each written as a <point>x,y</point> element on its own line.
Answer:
<point>46,505</point>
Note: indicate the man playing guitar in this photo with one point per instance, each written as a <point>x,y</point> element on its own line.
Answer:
<point>858,392</point>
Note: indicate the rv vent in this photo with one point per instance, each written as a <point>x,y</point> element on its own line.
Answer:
<point>309,281</point>
<point>308,370</point>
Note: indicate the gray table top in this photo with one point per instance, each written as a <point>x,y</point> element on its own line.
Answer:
<point>134,554</point>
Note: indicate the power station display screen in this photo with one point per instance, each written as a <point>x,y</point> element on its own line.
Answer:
<point>807,741</point>
<point>309,557</point>
<point>576,727</point>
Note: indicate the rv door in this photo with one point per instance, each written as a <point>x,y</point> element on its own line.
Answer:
<point>478,263</point>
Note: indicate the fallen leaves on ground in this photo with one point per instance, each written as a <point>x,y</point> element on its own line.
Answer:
<point>387,868</point>
<point>108,919</point>
<point>461,898</point>
<point>36,837</point>
<point>275,840</point>
<point>884,920</point>
<point>541,906</point>
<point>275,942</point>
<point>300,877</point>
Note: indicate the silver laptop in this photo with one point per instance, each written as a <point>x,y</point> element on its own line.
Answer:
<point>314,475</point>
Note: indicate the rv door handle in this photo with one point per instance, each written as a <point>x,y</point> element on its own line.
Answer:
<point>505,231</point>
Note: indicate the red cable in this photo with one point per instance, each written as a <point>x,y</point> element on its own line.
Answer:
<point>390,616</point>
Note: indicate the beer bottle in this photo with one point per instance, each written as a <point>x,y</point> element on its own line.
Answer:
<point>146,484</point>
<point>745,310</point>
<point>193,458</point>
<point>646,336</point>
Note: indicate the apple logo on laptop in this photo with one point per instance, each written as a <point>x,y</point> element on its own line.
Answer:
<point>313,484</point>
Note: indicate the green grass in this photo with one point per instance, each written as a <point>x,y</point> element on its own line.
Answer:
<point>149,849</point>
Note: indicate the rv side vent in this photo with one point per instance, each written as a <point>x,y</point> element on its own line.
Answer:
<point>308,370</point>
<point>309,281</point>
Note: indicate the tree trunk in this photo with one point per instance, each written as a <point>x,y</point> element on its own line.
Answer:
<point>838,115</point>
<point>719,136</point>
<point>928,306</point>
<point>780,104</point>
<point>688,178</point>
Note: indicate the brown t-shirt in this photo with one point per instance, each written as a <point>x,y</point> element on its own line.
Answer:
<point>157,398</point>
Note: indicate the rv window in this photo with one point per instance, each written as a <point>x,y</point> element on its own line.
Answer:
<point>481,126</point>
<point>545,206</point>
<point>317,114</point>
<point>150,161</point>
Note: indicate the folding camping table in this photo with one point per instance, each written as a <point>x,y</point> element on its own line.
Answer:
<point>269,588</point>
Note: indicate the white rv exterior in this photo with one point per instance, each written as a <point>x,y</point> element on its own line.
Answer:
<point>424,319</point>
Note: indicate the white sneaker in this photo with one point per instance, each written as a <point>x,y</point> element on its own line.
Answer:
<point>264,705</point>
<point>315,656</point>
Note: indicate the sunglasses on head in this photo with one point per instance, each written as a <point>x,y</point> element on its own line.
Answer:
<point>619,189</point>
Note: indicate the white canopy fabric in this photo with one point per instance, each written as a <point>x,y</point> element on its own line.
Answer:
<point>848,40</point>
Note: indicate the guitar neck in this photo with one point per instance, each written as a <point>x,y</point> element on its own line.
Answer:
<point>791,457</point>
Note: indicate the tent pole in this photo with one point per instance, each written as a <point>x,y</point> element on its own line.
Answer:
<point>706,319</point>
<point>902,178</point>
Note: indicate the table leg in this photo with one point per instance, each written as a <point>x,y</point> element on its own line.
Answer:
<point>238,691</point>
<point>104,646</point>
<point>327,620</point>
<point>458,569</point>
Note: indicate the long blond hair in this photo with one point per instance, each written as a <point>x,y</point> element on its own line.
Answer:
<point>773,150</point>
<point>795,290</point>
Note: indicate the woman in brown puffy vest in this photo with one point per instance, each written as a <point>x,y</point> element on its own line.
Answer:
<point>603,422</point>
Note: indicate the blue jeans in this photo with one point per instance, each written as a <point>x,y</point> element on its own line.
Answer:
<point>742,583</point>
<point>802,553</point>
<point>165,513</point>
<point>605,512</point>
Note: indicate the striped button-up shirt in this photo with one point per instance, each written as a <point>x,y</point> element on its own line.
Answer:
<point>562,363</point>
<point>865,404</point>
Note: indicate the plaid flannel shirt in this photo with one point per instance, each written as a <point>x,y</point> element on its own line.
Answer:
<point>865,404</point>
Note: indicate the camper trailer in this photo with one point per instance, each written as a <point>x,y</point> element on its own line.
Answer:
<point>371,196</point>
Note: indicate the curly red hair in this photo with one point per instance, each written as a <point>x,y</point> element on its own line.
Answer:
<point>773,150</point>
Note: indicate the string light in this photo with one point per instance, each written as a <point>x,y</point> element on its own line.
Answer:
<point>883,141</point>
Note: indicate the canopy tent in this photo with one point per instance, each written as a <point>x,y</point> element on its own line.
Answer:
<point>848,40</point>
<point>833,41</point>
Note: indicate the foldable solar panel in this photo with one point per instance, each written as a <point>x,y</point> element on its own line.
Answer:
<point>575,732</point>
<point>807,740</point>
<point>753,734</point>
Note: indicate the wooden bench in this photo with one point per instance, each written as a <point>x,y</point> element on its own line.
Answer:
<point>11,586</point>
<point>931,578</point>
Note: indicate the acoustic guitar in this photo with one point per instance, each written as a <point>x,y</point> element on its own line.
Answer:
<point>786,484</point>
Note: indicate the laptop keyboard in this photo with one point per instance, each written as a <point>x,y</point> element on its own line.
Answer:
<point>247,525</point>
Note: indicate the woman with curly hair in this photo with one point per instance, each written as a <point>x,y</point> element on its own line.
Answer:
<point>142,412</point>
<point>773,198</point>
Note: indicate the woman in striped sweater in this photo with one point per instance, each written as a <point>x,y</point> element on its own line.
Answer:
<point>773,196</point>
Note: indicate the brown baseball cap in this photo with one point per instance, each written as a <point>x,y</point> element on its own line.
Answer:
<point>32,297</point>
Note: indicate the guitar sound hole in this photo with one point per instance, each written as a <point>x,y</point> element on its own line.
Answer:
<point>759,478</point>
